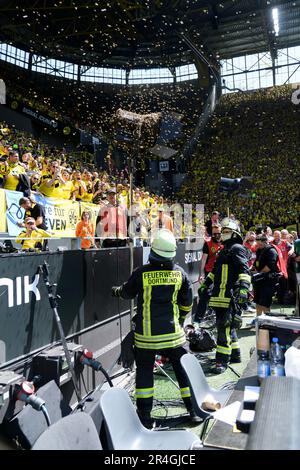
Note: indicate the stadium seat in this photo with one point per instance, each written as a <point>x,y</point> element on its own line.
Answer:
<point>126,432</point>
<point>200,389</point>
<point>74,432</point>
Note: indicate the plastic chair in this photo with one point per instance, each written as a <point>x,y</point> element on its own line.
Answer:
<point>73,432</point>
<point>200,389</point>
<point>126,432</point>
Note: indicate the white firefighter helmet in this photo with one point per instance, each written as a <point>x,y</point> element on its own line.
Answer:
<point>232,225</point>
<point>164,244</point>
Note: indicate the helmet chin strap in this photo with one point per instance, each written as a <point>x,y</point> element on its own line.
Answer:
<point>226,236</point>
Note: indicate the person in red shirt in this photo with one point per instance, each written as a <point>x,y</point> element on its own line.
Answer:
<point>211,248</point>
<point>287,250</point>
<point>111,223</point>
<point>285,247</point>
<point>251,245</point>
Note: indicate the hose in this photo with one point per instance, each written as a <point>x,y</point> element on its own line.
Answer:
<point>106,376</point>
<point>46,414</point>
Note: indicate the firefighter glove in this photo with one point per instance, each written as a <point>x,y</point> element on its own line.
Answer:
<point>243,296</point>
<point>127,356</point>
<point>202,288</point>
<point>116,291</point>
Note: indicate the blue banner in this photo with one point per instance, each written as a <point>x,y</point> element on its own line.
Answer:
<point>14,213</point>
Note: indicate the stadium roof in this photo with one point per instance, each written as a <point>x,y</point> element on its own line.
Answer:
<point>139,33</point>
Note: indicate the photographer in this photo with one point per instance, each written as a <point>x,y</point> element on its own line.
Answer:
<point>32,238</point>
<point>52,183</point>
<point>266,264</point>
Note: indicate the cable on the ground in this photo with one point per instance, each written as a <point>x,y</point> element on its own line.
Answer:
<point>228,385</point>
<point>234,371</point>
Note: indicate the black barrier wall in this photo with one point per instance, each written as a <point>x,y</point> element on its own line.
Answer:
<point>84,280</point>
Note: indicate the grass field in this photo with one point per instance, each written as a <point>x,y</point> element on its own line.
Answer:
<point>169,410</point>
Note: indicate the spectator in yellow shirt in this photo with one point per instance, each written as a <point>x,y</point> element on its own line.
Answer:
<point>52,183</point>
<point>67,189</point>
<point>14,169</point>
<point>79,187</point>
<point>32,237</point>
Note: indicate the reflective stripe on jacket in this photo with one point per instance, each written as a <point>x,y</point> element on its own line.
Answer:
<point>231,267</point>
<point>164,297</point>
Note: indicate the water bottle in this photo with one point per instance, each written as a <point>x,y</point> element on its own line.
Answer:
<point>263,365</point>
<point>277,359</point>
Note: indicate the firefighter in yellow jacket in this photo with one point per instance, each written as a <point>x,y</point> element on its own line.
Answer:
<point>164,297</point>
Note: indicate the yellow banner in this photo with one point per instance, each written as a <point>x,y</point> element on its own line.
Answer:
<point>3,226</point>
<point>61,216</point>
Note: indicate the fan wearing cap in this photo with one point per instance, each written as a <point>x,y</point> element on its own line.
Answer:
<point>164,297</point>
<point>111,222</point>
<point>32,237</point>
<point>231,270</point>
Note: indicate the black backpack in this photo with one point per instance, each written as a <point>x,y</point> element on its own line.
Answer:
<point>200,339</point>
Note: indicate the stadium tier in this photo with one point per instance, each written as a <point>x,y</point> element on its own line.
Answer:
<point>149,221</point>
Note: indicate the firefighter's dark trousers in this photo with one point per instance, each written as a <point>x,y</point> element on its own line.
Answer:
<point>145,359</point>
<point>228,348</point>
<point>202,305</point>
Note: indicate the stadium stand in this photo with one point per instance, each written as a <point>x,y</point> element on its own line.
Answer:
<point>252,134</point>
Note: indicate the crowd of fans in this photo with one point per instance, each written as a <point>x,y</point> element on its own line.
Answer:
<point>252,134</point>
<point>91,106</point>
<point>31,167</point>
<point>54,172</point>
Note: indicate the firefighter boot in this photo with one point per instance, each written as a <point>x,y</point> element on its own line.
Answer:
<point>220,367</point>
<point>145,419</point>
<point>194,418</point>
<point>235,357</point>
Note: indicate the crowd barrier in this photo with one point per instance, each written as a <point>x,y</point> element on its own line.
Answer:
<point>89,314</point>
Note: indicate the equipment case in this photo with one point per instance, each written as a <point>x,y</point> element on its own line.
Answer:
<point>286,329</point>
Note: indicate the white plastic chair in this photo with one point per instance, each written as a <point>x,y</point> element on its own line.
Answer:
<point>73,432</point>
<point>200,388</point>
<point>126,432</point>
